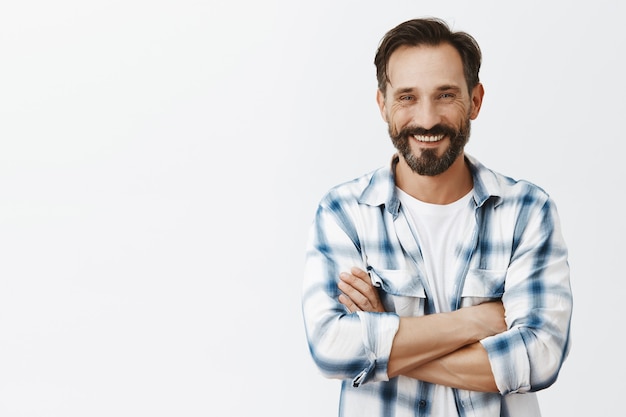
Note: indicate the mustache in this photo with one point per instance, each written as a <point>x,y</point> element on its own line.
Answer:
<point>437,129</point>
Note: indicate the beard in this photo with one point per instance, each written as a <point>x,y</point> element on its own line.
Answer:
<point>428,163</point>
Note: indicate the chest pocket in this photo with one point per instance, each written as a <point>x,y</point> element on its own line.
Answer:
<point>401,290</point>
<point>482,285</point>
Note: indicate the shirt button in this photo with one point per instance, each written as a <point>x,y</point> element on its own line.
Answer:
<point>422,403</point>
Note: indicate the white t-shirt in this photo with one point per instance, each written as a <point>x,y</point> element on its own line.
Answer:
<point>439,228</point>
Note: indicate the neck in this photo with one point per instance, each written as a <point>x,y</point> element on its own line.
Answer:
<point>444,188</point>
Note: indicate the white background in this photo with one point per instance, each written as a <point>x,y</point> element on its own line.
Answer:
<point>160,162</point>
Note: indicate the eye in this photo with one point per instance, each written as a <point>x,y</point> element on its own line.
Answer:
<point>447,96</point>
<point>407,98</point>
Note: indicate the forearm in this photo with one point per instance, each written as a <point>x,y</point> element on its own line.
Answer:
<point>420,340</point>
<point>467,368</point>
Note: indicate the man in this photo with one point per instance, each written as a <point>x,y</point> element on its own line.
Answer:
<point>435,286</point>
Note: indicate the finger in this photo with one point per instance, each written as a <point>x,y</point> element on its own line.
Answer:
<point>346,301</point>
<point>364,286</point>
<point>355,296</point>
<point>361,292</point>
<point>361,274</point>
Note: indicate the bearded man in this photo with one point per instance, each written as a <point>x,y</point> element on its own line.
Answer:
<point>435,286</point>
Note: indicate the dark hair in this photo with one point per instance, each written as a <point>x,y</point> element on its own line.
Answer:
<point>431,32</point>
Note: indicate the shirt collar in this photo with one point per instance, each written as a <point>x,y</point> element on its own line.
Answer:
<point>382,187</point>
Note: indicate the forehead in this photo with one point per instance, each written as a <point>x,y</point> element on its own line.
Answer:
<point>425,67</point>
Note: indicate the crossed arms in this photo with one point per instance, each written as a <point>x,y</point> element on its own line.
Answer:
<point>440,348</point>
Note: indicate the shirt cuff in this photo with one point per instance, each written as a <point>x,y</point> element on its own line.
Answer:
<point>378,330</point>
<point>509,361</point>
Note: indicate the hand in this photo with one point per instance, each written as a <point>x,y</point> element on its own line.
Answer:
<point>358,293</point>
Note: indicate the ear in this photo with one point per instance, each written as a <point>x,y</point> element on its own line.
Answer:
<point>477,100</point>
<point>380,99</point>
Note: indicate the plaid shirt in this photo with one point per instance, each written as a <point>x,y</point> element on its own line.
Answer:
<point>515,252</point>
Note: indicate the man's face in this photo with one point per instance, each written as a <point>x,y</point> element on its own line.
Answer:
<point>428,107</point>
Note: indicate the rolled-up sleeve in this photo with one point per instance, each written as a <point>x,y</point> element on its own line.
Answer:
<point>343,345</point>
<point>538,305</point>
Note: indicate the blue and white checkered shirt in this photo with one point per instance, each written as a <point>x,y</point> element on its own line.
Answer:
<point>515,253</point>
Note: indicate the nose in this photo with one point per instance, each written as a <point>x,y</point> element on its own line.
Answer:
<point>426,114</point>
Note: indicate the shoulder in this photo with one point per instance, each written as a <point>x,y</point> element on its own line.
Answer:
<point>350,192</point>
<point>490,184</point>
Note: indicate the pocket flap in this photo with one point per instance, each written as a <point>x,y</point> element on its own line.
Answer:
<point>484,283</point>
<point>397,282</point>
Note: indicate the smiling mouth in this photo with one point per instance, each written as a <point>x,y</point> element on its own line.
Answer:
<point>428,138</point>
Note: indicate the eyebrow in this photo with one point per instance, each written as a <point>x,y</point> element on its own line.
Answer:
<point>405,90</point>
<point>444,87</point>
<point>447,87</point>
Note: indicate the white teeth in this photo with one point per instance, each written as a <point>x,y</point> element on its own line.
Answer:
<point>423,138</point>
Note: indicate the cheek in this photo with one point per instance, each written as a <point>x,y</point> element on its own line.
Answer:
<point>461,111</point>
<point>397,118</point>
<point>394,126</point>
<point>455,115</point>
